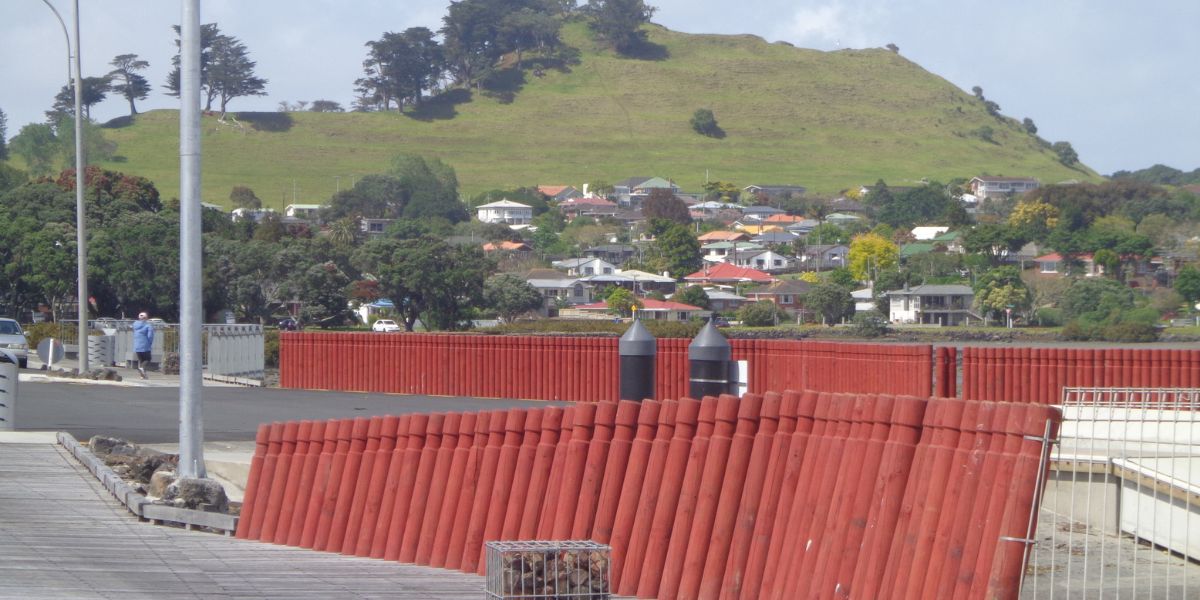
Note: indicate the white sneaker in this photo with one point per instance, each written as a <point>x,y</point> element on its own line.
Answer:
<point>142,372</point>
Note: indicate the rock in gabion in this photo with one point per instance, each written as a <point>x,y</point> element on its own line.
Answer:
<point>170,364</point>
<point>548,573</point>
<point>197,494</point>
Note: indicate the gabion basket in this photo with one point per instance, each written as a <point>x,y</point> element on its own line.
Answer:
<point>547,570</point>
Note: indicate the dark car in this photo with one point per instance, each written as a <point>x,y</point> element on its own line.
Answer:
<point>289,324</point>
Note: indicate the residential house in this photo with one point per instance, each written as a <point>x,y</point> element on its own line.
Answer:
<point>759,213</point>
<point>633,191</point>
<point>948,305</point>
<point>1055,264</point>
<point>374,227</point>
<point>726,251</point>
<point>722,236</point>
<point>912,249</point>
<point>1000,187</point>
<point>638,282</point>
<point>558,289</point>
<point>864,300</point>
<point>951,241</point>
<point>786,293</point>
<point>505,211</point>
<point>707,210</point>
<point>579,267</point>
<point>766,260</point>
<point>506,246</point>
<point>655,310</point>
<point>802,228</point>
<point>720,300</point>
<point>775,238</point>
<point>559,193</point>
<point>783,219</point>
<point>821,257</point>
<point>587,206</point>
<point>894,190</point>
<point>616,254</point>
<point>842,219</point>
<point>846,205</point>
<point>775,192</point>
<point>752,230</point>
<point>302,211</point>
<point>928,232</point>
<point>728,274</point>
<point>254,214</point>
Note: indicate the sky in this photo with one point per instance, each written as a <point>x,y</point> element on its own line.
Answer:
<point>1119,80</point>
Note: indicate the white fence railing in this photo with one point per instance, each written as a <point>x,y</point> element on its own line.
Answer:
<point>1121,508</point>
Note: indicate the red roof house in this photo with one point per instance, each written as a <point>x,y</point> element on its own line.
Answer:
<point>728,273</point>
<point>657,310</point>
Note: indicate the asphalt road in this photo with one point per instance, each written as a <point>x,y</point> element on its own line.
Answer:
<point>150,415</point>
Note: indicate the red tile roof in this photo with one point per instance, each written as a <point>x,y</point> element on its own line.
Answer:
<point>552,190</point>
<point>722,236</point>
<point>783,219</point>
<point>489,247</point>
<point>729,272</point>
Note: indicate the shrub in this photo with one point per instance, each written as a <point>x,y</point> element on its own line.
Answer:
<point>1129,332</point>
<point>759,314</point>
<point>705,123</point>
<point>39,331</point>
<point>870,325</point>
<point>1049,317</point>
<point>271,347</point>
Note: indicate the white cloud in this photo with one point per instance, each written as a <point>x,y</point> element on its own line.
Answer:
<point>833,25</point>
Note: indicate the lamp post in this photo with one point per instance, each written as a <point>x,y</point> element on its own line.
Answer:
<point>80,211</point>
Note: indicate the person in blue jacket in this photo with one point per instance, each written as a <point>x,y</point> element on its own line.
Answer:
<point>143,340</point>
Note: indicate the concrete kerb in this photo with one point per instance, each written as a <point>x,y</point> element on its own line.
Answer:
<point>137,503</point>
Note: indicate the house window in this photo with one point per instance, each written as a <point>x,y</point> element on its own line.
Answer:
<point>578,291</point>
<point>785,299</point>
<point>607,271</point>
<point>376,227</point>
<point>1050,267</point>
<point>682,316</point>
<point>906,308</point>
<point>778,263</point>
<point>587,270</point>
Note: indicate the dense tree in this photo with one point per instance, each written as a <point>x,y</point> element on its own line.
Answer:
<point>400,67</point>
<point>244,197</point>
<point>692,295</point>
<point>705,123</point>
<point>826,234</point>
<point>510,296</point>
<point>921,205</point>
<point>1095,297</point>
<point>1187,283</point>
<point>1066,154</point>
<point>663,204</point>
<point>871,253</point>
<point>11,177</point>
<point>3,137</point>
<point>37,145</point>
<point>93,92</point>
<point>430,188</point>
<point>675,251</point>
<point>830,300</point>
<point>621,302</point>
<point>999,289</point>
<point>226,71</point>
<point>527,28</point>
<point>994,241</point>
<point>372,197</point>
<point>1162,175</point>
<point>136,265</point>
<point>326,106</point>
<point>619,22</point>
<point>126,81</point>
<point>322,291</point>
<point>428,279</point>
<point>763,313</point>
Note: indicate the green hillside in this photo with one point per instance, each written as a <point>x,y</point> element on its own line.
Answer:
<point>826,120</point>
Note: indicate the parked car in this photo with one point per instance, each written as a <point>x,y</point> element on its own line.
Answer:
<point>13,340</point>
<point>385,325</point>
<point>289,324</point>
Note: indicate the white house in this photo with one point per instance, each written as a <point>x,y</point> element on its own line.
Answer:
<point>766,260</point>
<point>999,187</point>
<point>301,211</point>
<point>507,212</point>
<point>932,305</point>
<point>580,267</point>
<point>726,251</point>
<point>254,214</point>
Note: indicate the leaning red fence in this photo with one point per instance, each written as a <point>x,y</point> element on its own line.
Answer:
<point>579,368</point>
<point>764,496</point>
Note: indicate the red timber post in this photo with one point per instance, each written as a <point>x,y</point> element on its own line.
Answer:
<point>283,463</point>
<point>448,512</point>
<point>337,468</point>
<point>549,510</point>
<point>420,488</point>
<point>393,536</point>
<point>638,500</point>
<point>615,531</point>
<point>539,477</point>
<point>380,461</point>
<point>483,492</point>
<point>466,497</point>
<point>663,581</point>
<point>391,482</point>
<point>648,545</point>
<point>744,575</point>
<point>435,502</point>
<point>975,583</point>
<point>572,473</point>
<point>306,489</point>
<point>523,475</point>
<point>617,467</point>
<point>295,474</point>
<point>593,470</point>
<point>362,484</point>
<point>251,501</point>
<point>502,486</point>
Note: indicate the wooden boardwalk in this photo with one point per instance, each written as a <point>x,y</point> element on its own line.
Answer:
<point>63,536</point>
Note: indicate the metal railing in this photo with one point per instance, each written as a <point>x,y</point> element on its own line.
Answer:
<point>1121,508</point>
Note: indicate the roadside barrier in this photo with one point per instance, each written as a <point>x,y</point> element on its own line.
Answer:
<point>778,495</point>
<point>581,369</point>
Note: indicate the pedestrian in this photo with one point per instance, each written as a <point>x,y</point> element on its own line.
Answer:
<point>143,340</point>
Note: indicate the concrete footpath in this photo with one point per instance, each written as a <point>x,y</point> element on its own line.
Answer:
<point>62,535</point>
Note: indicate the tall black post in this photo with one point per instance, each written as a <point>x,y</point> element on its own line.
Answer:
<point>637,350</point>
<point>708,363</point>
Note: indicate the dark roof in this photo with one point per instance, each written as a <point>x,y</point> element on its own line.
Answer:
<point>761,210</point>
<point>775,237</point>
<point>935,290</point>
<point>632,182</point>
<point>783,286</point>
<point>612,248</point>
<point>847,205</point>
<point>778,189</point>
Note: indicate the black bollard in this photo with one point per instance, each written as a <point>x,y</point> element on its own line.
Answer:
<point>637,350</point>
<point>708,363</point>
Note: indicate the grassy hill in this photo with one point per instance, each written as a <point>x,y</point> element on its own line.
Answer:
<point>826,120</point>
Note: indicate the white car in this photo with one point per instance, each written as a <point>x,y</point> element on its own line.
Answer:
<point>385,325</point>
<point>13,340</point>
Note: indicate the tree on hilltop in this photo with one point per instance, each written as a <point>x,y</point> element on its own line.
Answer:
<point>226,71</point>
<point>400,67</point>
<point>619,22</point>
<point>127,82</point>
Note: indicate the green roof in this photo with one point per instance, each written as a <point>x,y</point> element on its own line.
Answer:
<point>916,248</point>
<point>949,236</point>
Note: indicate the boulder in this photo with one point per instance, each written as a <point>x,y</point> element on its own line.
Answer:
<point>111,446</point>
<point>159,483</point>
<point>197,494</point>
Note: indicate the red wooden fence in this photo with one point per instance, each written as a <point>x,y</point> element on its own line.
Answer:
<point>767,496</point>
<point>579,368</point>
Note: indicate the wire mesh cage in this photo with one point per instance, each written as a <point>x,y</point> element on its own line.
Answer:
<point>547,570</point>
